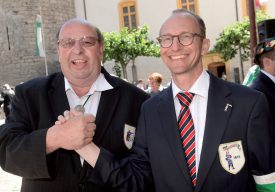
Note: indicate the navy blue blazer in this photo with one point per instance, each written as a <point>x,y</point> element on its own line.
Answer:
<point>234,113</point>
<point>264,84</point>
<point>35,108</point>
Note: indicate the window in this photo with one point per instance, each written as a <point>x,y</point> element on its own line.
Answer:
<point>191,5</point>
<point>128,14</point>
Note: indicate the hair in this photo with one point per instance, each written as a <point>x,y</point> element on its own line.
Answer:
<point>197,18</point>
<point>84,22</point>
<point>156,77</point>
<point>270,54</point>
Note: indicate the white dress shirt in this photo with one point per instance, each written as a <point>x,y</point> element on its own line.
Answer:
<point>198,108</point>
<point>91,106</point>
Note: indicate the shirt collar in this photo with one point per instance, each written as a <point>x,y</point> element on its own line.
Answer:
<point>200,87</point>
<point>269,75</point>
<point>101,84</point>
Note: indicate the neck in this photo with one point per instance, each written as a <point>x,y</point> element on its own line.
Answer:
<point>82,87</point>
<point>186,80</point>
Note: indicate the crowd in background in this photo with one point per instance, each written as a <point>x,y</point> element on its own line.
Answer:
<point>6,96</point>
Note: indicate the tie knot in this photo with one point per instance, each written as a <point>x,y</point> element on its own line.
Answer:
<point>185,98</point>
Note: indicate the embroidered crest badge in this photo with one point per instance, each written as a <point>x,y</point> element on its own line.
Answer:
<point>129,135</point>
<point>231,156</point>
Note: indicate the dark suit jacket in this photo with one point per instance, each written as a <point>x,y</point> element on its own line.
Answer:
<point>35,108</point>
<point>158,151</point>
<point>264,84</point>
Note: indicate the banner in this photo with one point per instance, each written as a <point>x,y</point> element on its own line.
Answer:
<point>39,44</point>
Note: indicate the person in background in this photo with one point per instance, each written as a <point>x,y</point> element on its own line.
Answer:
<point>140,84</point>
<point>154,81</point>
<point>7,95</point>
<point>265,81</point>
<point>42,152</point>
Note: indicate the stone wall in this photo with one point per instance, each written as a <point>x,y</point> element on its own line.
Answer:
<point>18,61</point>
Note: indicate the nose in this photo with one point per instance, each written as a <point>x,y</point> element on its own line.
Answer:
<point>77,48</point>
<point>175,43</point>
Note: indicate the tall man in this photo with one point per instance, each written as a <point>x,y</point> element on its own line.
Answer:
<point>265,82</point>
<point>219,142</point>
<point>33,147</point>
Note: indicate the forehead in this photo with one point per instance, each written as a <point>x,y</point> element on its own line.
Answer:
<point>76,30</point>
<point>179,23</point>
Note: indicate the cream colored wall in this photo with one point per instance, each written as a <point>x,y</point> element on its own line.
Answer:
<point>271,7</point>
<point>217,14</point>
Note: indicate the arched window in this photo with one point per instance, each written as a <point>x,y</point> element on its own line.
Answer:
<point>128,14</point>
<point>191,5</point>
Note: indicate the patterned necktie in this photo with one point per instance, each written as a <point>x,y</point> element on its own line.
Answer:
<point>187,133</point>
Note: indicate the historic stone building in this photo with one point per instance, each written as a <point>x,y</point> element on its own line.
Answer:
<point>17,37</point>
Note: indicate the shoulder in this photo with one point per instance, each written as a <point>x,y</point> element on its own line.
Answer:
<point>39,84</point>
<point>125,88</point>
<point>239,94</point>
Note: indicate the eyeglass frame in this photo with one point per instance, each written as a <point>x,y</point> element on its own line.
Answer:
<point>81,41</point>
<point>178,36</point>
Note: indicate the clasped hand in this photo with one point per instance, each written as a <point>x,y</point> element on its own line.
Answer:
<point>76,129</point>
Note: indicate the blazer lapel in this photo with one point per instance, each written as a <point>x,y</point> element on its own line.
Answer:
<point>167,116</point>
<point>57,96</point>
<point>218,112</point>
<point>106,109</point>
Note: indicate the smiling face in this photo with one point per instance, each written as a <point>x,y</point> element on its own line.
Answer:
<point>80,64</point>
<point>182,59</point>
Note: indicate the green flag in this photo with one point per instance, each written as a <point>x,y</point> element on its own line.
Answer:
<point>39,44</point>
<point>251,75</point>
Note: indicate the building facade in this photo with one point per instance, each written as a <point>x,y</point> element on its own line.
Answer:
<point>17,31</point>
<point>112,15</point>
<point>17,37</point>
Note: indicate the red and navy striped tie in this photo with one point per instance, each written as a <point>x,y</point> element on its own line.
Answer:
<point>187,133</point>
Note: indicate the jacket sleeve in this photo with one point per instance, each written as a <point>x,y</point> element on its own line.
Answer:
<point>132,173</point>
<point>22,144</point>
<point>260,138</point>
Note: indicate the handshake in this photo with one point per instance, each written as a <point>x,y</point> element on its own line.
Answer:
<point>72,131</point>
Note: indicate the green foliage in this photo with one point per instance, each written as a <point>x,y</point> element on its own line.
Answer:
<point>127,45</point>
<point>235,37</point>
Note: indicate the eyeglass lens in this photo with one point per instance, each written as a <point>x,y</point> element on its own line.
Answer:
<point>184,39</point>
<point>84,42</point>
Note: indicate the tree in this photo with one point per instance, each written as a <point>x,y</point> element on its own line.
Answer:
<point>236,37</point>
<point>126,46</point>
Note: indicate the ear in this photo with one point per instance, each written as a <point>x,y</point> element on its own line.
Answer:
<point>205,46</point>
<point>266,62</point>
<point>101,49</point>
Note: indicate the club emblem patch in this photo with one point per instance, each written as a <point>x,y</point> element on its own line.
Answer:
<point>129,135</point>
<point>231,156</point>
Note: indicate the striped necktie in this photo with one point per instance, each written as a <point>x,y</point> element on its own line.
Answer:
<point>187,133</point>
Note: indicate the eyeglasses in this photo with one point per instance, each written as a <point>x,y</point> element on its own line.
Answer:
<point>83,41</point>
<point>185,39</point>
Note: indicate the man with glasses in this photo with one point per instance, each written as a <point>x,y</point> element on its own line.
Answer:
<point>42,152</point>
<point>200,134</point>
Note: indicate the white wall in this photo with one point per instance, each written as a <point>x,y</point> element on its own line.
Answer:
<point>217,14</point>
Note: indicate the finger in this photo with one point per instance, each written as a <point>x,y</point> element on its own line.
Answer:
<point>89,118</point>
<point>60,118</point>
<point>91,128</point>
<point>67,115</point>
<point>88,140</point>
<point>58,123</point>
